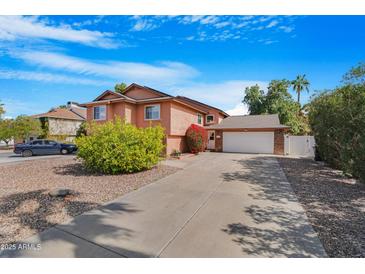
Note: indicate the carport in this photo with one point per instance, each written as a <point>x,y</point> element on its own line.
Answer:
<point>248,134</point>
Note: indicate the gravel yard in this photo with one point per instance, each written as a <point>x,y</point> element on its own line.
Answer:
<point>27,208</point>
<point>335,205</point>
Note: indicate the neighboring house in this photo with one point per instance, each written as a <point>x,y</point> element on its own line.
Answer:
<point>63,123</point>
<point>248,134</point>
<point>142,106</point>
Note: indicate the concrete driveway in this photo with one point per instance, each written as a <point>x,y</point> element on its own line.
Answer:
<point>218,205</point>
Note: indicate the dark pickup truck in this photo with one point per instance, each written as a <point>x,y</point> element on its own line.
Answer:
<point>43,147</point>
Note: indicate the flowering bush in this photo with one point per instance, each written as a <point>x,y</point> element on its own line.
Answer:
<point>118,147</point>
<point>196,138</point>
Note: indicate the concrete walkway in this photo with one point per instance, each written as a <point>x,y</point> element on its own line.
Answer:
<point>218,205</point>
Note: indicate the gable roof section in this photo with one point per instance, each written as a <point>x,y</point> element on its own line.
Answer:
<point>249,121</point>
<point>200,105</point>
<point>109,96</point>
<point>60,113</point>
<point>108,92</point>
<point>155,93</point>
<point>79,111</point>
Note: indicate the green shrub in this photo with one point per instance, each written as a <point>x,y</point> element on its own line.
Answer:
<point>337,119</point>
<point>118,147</point>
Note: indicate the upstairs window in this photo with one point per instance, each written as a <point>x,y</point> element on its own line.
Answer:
<point>152,112</point>
<point>100,113</point>
<point>200,120</point>
<point>210,118</point>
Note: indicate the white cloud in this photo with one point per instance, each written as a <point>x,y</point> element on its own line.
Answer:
<point>224,95</point>
<point>272,24</point>
<point>144,23</point>
<point>240,109</point>
<point>189,19</point>
<point>98,19</point>
<point>14,108</point>
<point>20,27</point>
<point>48,77</point>
<point>222,24</point>
<point>209,20</point>
<point>286,29</point>
<point>165,71</point>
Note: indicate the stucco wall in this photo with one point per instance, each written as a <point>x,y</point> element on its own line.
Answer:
<point>181,118</point>
<point>138,93</point>
<point>175,143</point>
<point>130,113</point>
<point>164,120</point>
<point>116,110</point>
<point>63,126</point>
<point>217,117</point>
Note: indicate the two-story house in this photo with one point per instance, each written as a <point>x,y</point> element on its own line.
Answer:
<point>144,106</point>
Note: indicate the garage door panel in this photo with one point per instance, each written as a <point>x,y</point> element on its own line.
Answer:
<point>248,142</point>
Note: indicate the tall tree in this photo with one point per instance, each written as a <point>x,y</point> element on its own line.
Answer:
<point>277,101</point>
<point>255,100</point>
<point>26,126</point>
<point>356,75</point>
<point>299,84</point>
<point>6,130</point>
<point>119,88</point>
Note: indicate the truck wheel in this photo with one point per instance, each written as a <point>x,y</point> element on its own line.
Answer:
<point>27,153</point>
<point>64,151</point>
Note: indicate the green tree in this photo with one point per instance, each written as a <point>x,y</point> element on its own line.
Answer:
<point>6,130</point>
<point>299,84</point>
<point>119,88</point>
<point>26,126</point>
<point>82,130</point>
<point>356,75</point>
<point>255,100</point>
<point>277,101</point>
<point>337,119</point>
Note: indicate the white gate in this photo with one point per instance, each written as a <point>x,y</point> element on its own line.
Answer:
<point>299,145</point>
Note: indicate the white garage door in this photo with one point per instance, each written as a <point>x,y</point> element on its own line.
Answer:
<point>248,142</point>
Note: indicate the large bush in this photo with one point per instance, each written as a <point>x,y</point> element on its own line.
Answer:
<point>196,138</point>
<point>337,119</point>
<point>118,147</point>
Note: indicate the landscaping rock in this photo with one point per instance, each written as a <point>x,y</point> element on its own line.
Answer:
<point>60,192</point>
<point>334,204</point>
<point>26,204</point>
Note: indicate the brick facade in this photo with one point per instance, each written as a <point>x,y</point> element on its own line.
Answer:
<point>279,142</point>
<point>218,140</point>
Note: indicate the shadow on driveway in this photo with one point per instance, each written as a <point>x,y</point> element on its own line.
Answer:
<point>275,223</point>
<point>37,218</point>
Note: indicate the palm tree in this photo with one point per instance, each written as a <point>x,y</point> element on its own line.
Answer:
<point>299,84</point>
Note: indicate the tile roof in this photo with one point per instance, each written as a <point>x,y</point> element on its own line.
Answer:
<point>63,113</point>
<point>250,121</point>
<point>199,104</point>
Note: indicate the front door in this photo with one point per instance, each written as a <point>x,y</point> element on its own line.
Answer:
<point>211,139</point>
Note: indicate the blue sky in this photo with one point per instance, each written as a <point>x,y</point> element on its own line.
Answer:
<point>49,60</point>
